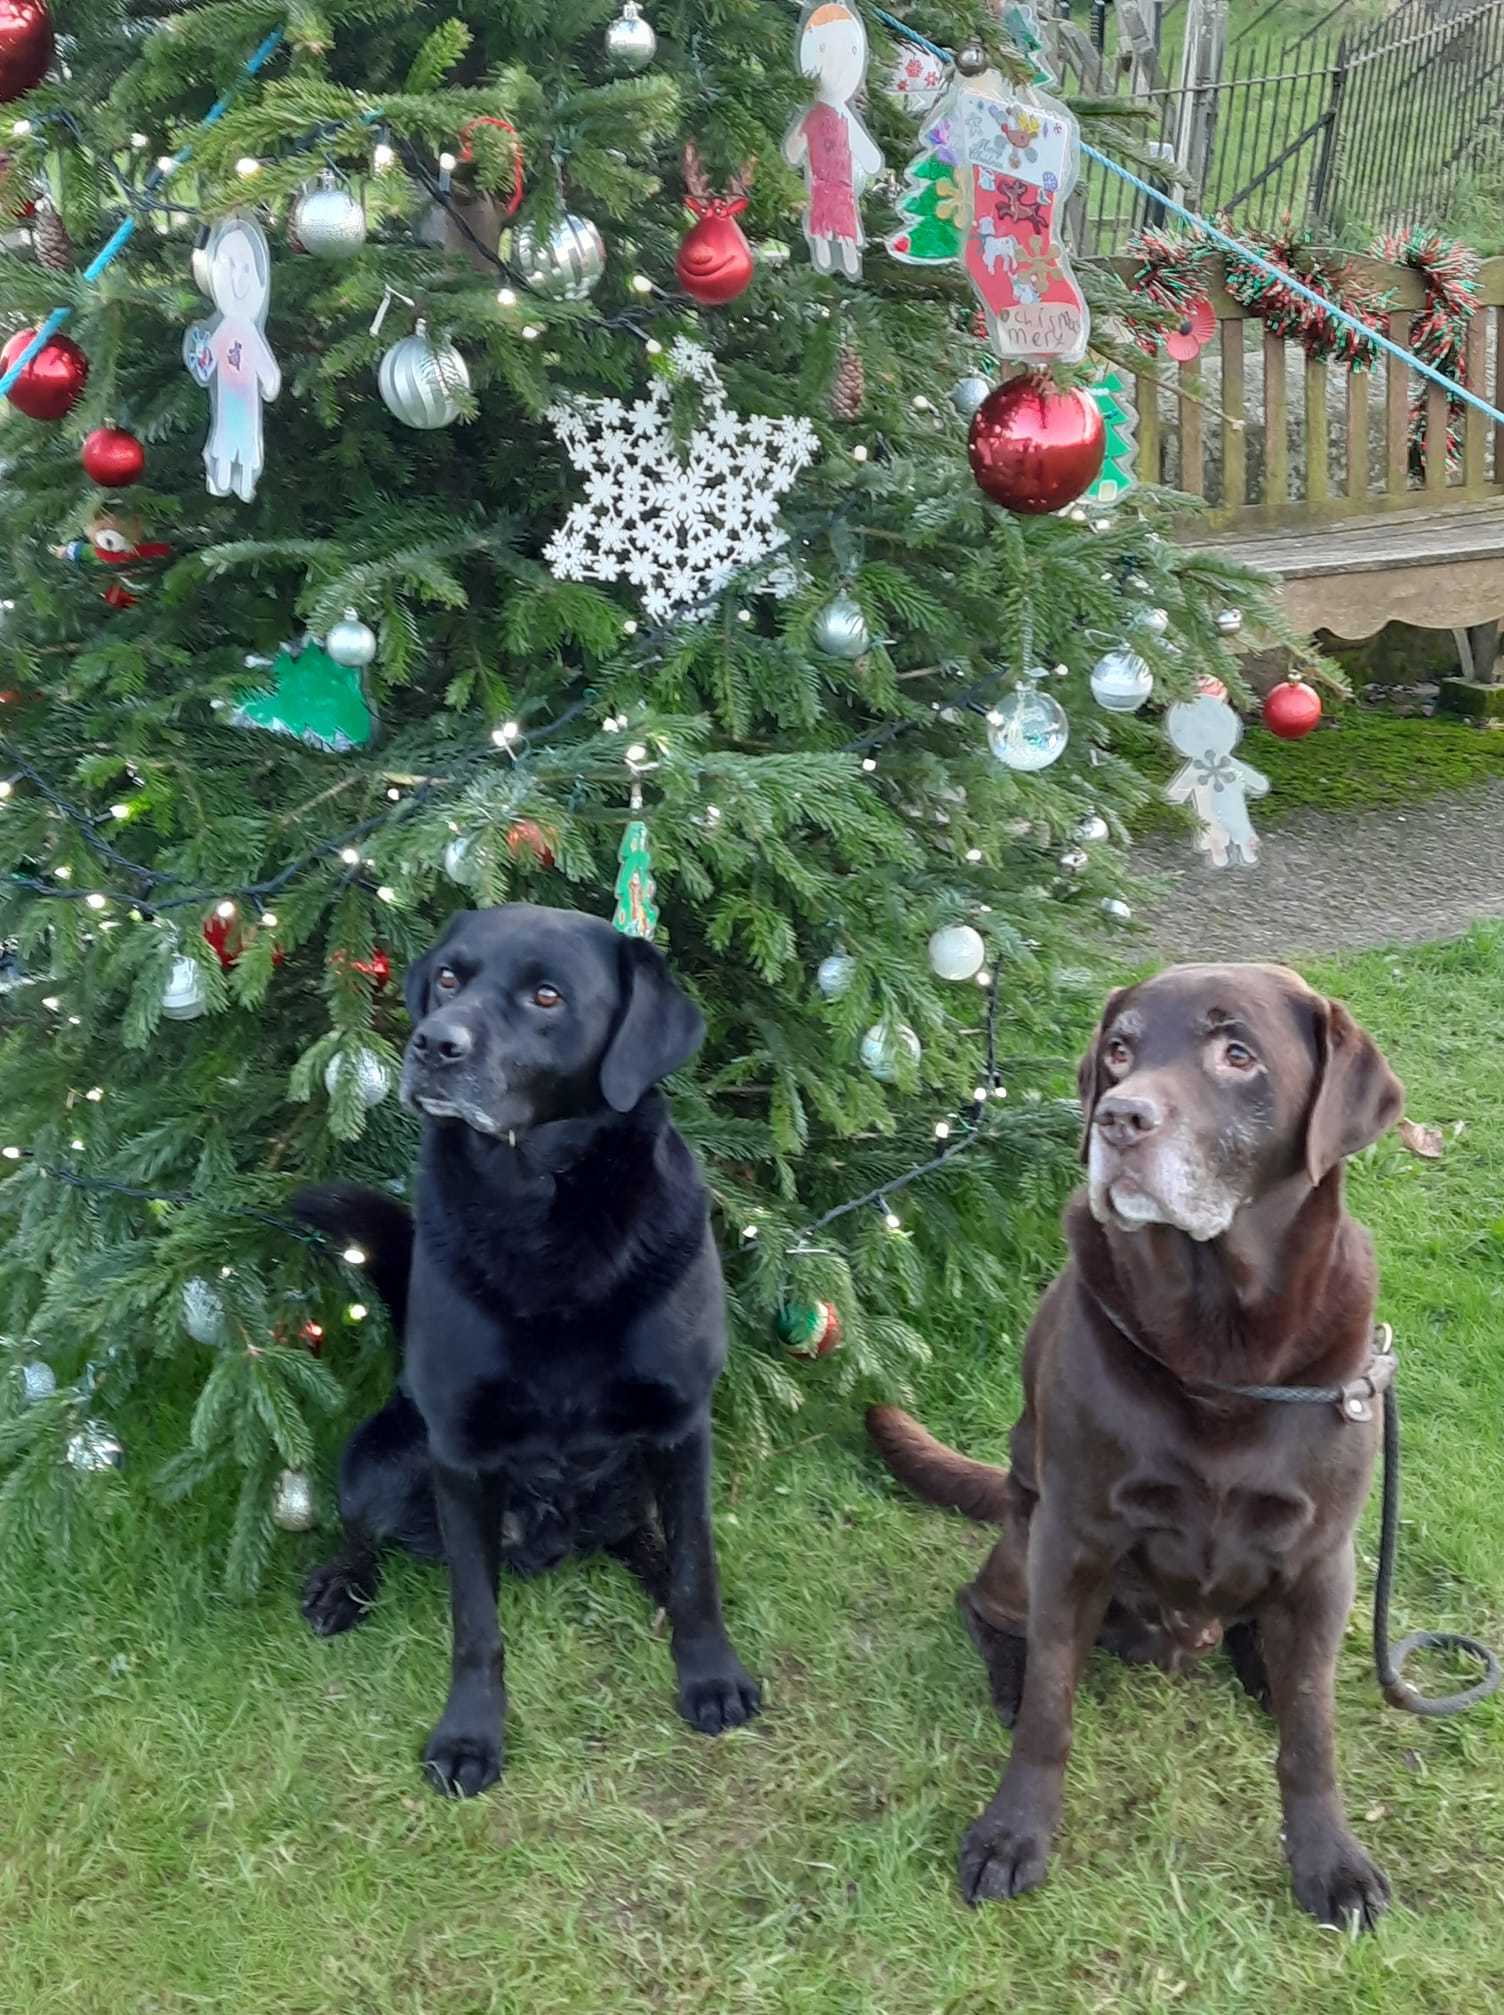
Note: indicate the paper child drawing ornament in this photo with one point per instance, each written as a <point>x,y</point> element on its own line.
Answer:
<point>828,140</point>
<point>1213,780</point>
<point>231,357</point>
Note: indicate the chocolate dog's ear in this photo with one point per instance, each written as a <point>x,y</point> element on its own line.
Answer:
<point>415,984</point>
<point>660,1027</point>
<point>1088,1081</point>
<point>1358,1097</point>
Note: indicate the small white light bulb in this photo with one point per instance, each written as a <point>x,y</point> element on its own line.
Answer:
<point>20,129</point>
<point>354,1255</point>
<point>637,752</point>
<point>386,893</point>
<point>11,1153</point>
<point>749,1231</point>
<point>166,165</point>
<point>973,854</point>
<point>121,811</point>
<point>859,453</point>
<point>383,157</point>
<point>64,873</point>
<point>51,1003</point>
<point>869,763</point>
<point>641,284</point>
<point>6,787</point>
<point>268,919</point>
<point>999,1091</point>
<point>506,297</point>
<point>892,1220</point>
<point>942,1129</point>
<point>448,163</point>
<point>140,142</point>
<point>350,856</point>
<point>77,1146</point>
<point>394,794</point>
<point>653,347</point>
<point>984,978</point>
<point>357,1311</point>
<point>94,1094</point>
<point>96,901</point>
<point>247,166</point>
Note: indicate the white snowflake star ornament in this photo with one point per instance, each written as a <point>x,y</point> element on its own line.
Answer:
<point>675,526</point>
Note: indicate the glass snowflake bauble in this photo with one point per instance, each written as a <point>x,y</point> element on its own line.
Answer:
<point>968,393</point>
<point>563,263</point>
<point>38,1381</point>
<point>292,1501</point>
<point>833,975</point>
<point>675,524</point>
<point>203,1312</point>
<point>95,1447</point>
<point>957,952</point>
<point>1121,682</point>
<point>372,1078</point>
<point>884,1044</point>
<point>183,998</point>
<point>1028,730</point>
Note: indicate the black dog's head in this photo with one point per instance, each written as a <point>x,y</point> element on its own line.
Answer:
<point>1207,1085</point>
<point>524,1015</point>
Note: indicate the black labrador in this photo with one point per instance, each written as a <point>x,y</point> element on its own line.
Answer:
<point>559,1299</point>
<point>1145,1508</point>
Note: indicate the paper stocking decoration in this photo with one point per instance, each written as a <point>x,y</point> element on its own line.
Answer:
<point>1213,780</point>
<point>828,140</point>
<point>231,357</point>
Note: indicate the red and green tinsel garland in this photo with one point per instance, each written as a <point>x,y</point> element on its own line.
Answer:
<point>1287,314</point>
<point>1438,335</point>
<point>1171,277</point>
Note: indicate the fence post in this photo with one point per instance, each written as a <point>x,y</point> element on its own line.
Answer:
<point>1326,159</point>
<point>1200,72</point>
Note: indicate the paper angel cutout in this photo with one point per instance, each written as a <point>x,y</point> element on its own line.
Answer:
<point>1215,781</point>
<point>231,357</point>
<point>828,140</point>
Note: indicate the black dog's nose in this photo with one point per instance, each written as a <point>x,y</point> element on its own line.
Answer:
<point>443,1042</point>
<point>1123,1120</point>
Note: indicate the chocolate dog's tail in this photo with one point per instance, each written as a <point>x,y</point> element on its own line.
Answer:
<point>378,1225</point>
<point>933,1471</point>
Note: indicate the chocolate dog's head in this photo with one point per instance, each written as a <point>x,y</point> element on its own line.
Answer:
<point>1207,1085</point>
<point>525,1015</point>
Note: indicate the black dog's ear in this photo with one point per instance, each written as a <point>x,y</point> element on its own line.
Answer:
<point>659,1028</point>
<point>1088,1071</point>
<point>415,985</point>
<point>1358,1097</point>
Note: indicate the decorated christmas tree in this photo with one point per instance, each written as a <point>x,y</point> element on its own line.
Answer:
<point>443,550</point>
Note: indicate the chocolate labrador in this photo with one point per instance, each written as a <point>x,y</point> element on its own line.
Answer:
<point>1145,1508</point>
<point>558,1296</point>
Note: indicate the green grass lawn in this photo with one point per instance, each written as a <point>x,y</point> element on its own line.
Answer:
<point>204,1809</point>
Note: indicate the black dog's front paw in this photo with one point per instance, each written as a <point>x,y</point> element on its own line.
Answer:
<point>1002,1857</point>
<point>1337,1882</point>
<point>716,1697</point>
<point>336,1598</point>
<point>462,1762</point>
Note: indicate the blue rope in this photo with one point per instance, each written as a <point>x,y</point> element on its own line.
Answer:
<point>1241,251</point>
<point>123,233</point>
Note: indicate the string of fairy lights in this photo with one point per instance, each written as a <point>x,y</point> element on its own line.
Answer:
<point>154,892</point>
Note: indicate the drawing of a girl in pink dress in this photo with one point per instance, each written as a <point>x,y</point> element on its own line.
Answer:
<point>837,153</point>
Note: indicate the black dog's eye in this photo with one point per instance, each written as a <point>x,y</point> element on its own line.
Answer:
<point>546,996</point>
<point>1238,1056</point>
<point>446,981</point>
<point>1117,1054</point>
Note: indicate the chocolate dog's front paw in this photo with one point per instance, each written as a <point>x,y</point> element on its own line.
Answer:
<point>717,1697</point>
<point>1002,1857</point>
<point>1337,1882</point>
<point>462,1762</point>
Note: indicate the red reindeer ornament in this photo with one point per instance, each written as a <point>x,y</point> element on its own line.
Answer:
<point>715,262</point>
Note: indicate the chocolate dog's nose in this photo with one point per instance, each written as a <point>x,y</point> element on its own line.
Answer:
<point>443,1042</point>
<point>1123,1120</point>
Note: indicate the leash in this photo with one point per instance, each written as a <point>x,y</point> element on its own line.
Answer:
<point>1354,1401</point>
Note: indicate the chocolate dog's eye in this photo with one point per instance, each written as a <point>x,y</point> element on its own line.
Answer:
<point>1239,1056</point>
<point>546,996</point>
<point>1117,1054</point>
<point>447,982</point>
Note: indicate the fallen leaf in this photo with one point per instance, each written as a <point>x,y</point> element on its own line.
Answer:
<point>1426,1141</point>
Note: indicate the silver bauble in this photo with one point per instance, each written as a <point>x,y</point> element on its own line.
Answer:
<point>563,263</point>
<point>834,975</point>
<point>1028,730</point>
<point>1092,830</point>
<point>841,629</point>
<point>328,220</point>
<point>970,59</point>
<point>968,393</point>
<point>630,42</point>
<point>957,952</point>
<point>418,379</point>
<point>1074,861</point>
<point>883,1045</point>
<point>203,1312</point>
<point>372,1078</point>
<point>1155,621</point>
<point>38,1381</point>
<point>351,642</point>
<point>1229,621</point>
<point>292,1501</point>
<point>1117,909</point>
<point>183,997</point>
<point>95,1447</point>
<point>1121,682</point>
<point>198,261</point>
<point>457,858</point>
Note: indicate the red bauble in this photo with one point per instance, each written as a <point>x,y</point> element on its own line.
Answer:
<point>715,262</point>
<point>527,836</point>
<point>113,458</point>
<point>377,968</point>
<point>26,46</point>
<point>1035,449</point>
<point>53,382</point>
<point>1291,709</point>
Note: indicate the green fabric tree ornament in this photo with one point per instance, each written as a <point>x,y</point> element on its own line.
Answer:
<point>1118,476</point>
<point>313,699</point>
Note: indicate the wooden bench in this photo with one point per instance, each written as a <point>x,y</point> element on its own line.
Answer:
<point>1307,471</point>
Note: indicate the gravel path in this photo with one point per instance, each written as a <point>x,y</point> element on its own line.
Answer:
<point>1334,882</point>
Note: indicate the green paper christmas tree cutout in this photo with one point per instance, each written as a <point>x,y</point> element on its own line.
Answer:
<point>1121,421</point>
<point>1021,25</point>
<point>932,203</point>
<point>311,698</point>
<point>636,912</point>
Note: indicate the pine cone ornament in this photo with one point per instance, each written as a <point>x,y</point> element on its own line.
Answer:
<point>50,240</point>
<point>850,387</point>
